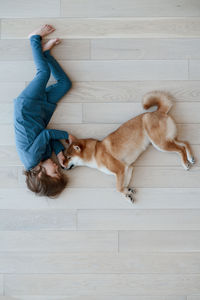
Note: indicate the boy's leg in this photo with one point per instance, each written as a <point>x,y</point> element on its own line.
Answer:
<point>36,88</point>
<point>58,90</point>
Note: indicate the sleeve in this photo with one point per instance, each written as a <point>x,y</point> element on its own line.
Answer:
<point>43,139</point>
<point>57,146</point>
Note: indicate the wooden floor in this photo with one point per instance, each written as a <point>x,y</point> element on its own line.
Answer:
<point>91,243</point>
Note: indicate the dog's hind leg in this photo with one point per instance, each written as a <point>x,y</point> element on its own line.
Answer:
<point>171,146</point>
<point>188,149</point>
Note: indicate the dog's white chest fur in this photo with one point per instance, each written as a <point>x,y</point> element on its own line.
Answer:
<point>93,164</point>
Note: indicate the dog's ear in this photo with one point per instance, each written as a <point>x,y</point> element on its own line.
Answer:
<point>77,148</point>
<point>71,139</point>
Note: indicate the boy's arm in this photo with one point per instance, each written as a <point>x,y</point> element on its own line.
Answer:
<point>57,146</point>
<point>43,139</point>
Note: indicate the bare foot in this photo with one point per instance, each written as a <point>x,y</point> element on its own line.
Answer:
<point>50,44</point>
<point>42,31</point>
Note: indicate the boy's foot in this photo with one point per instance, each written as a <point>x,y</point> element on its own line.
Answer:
<point>50,44</point>
<point>42,31</point>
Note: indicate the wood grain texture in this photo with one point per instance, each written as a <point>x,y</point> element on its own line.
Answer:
<point>20,50</point>
<point>102,70</point>
<point>23,8</point>
<point>1,285</point>
<point>57,241</point>
<point>9,91</point>
<point>130,91</point>
<point>182,112</point>
<point>37,219</point>
<point>100,298</point>
<point>145,49</point>
<point>105,27</point>
<point>101,284</point>
<point>194,72</point>
<point>159,241</point>
<point>136,8</point>
<point>102,198</point>
<point>139,219</point>
<point>97,263</point>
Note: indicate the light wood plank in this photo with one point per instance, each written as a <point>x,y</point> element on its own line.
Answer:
<point>14,50</point>
<point>99,298</point>
<point>42,219</point>
<point>162,241</point>
<point>97,263</point>
<point>23,8</point>
<point>129,70</point>
<point>67,112</point>
<point>102,70</point>
<point>156,177</point>
<point>139,219</point>
<point>136,8</point>
<point>1,285</point>
<point>105,27</point>
<point>6,298</point>
<point>9,91</point>
<point>7,134</point>
<point>150,198</point>
<point>57,241</point>
<point>11,153</point>
<point>194,69</point>
<point>101,198</point>
<point>8,177</point>
<point>130,91</point>
<point>145,49</point>
<point>182,112</point>
<point>194,297</point>
<point>21,198</point>
<point>101,284</point>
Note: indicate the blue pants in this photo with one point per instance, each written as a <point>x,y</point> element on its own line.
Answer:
<point>45,64</point>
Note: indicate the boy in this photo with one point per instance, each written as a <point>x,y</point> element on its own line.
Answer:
<point>33,109</point>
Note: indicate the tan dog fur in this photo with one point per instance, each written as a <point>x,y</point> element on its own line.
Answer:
<point>116,153</point>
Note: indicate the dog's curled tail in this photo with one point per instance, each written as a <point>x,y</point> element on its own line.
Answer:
<point>162,100</point>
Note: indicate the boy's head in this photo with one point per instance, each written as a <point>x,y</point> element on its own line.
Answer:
<point>46,179</point>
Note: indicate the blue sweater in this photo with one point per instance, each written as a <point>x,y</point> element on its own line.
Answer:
<point>33,141</point>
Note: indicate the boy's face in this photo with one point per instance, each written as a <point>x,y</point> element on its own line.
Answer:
<point>51,168</point>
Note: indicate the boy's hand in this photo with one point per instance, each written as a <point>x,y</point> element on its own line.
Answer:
<point>61,159</point>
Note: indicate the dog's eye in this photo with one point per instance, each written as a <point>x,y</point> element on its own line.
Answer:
<point>68,157</point>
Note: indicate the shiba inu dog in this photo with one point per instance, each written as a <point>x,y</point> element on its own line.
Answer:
<point>116,153</point>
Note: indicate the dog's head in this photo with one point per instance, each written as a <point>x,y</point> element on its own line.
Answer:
<point>74,153</point>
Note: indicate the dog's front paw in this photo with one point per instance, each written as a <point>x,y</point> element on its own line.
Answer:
<point>132,190</point>
<point>187,166</point>
<point>130,197</point>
